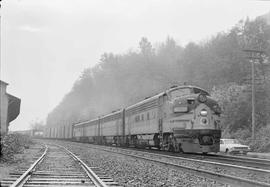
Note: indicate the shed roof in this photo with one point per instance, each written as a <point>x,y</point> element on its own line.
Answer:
<point>13,107</point>
<point>3,82</point>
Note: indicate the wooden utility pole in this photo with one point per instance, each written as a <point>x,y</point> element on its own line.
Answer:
<point>253,55</point>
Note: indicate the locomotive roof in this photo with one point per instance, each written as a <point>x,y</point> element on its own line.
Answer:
<point>160,94</point>
<point>186,86</point>
<point>95,119</point>
<point>84,122</point>
<point>141,102</point>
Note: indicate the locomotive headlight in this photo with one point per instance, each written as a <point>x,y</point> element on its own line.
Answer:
<point>203,112</point>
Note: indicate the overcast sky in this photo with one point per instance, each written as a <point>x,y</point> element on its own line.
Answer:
<point>46,44</point>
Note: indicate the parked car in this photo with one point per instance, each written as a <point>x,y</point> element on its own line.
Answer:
<point>233,146</point>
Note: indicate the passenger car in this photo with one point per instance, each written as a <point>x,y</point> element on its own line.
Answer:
<point>233,146</point>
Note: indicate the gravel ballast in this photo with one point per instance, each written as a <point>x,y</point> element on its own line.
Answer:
<point>128,171</point>
<point>22,160</point>
<point>237,172</point>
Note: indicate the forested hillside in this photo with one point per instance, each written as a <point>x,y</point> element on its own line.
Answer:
<point>218,65</point>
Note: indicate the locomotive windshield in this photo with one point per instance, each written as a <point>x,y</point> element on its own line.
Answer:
<point>180,92</point>
<point>198,91</point>
<point>186,91</point>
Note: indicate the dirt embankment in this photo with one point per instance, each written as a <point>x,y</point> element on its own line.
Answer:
<point>17,151</point>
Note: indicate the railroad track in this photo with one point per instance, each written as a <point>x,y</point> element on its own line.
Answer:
<point>253,176</point>
<point>58,167</point>
<point>263,164</point>
<point>256,163</point>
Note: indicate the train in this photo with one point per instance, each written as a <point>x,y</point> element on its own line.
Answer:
<point>180,119</point>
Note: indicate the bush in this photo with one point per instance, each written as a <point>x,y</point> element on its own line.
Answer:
<point>262,141</point>
<point>12,144</point>
<point>243,135</point>
<point>262,138</point>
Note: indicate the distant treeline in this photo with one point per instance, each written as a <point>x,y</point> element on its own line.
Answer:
<point>218,65</point>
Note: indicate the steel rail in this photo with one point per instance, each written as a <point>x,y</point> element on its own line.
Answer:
<point>259,165</point>
<point>264,171</point>
<point>252,164</point>
<point>97,181</point>
<point>262,165</point>
<point>25,176</point>
<point>238,161</point>
<point>246,159</point>
<point>223,178</point>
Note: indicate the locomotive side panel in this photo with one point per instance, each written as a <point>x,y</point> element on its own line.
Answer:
<point>53,132</point>
<point>71,131</point>
<point>48,132</point>
<point>77,133</point>
<point>90,130</point>
<point>57,132</point>
<point>144,122</point>
<point>182,122</point>
<point>62,132</point>
<point>45,134</point>
<point>86,131</point>
<point>68,131</point>
<point>109,128</point>
<point>142,117</point>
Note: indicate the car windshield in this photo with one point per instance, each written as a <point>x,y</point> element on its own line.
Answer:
<point>231,141</point>
<point>180,92</point>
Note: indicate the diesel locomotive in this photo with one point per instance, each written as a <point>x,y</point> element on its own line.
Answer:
<point>180,119</point>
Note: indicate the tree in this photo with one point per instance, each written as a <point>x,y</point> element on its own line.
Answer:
<point>37,125</point>
<point>120,80</point>
<point>146,47</point>
<point>235,107</point>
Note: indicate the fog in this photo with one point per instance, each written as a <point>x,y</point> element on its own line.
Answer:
<point>46,45</point>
